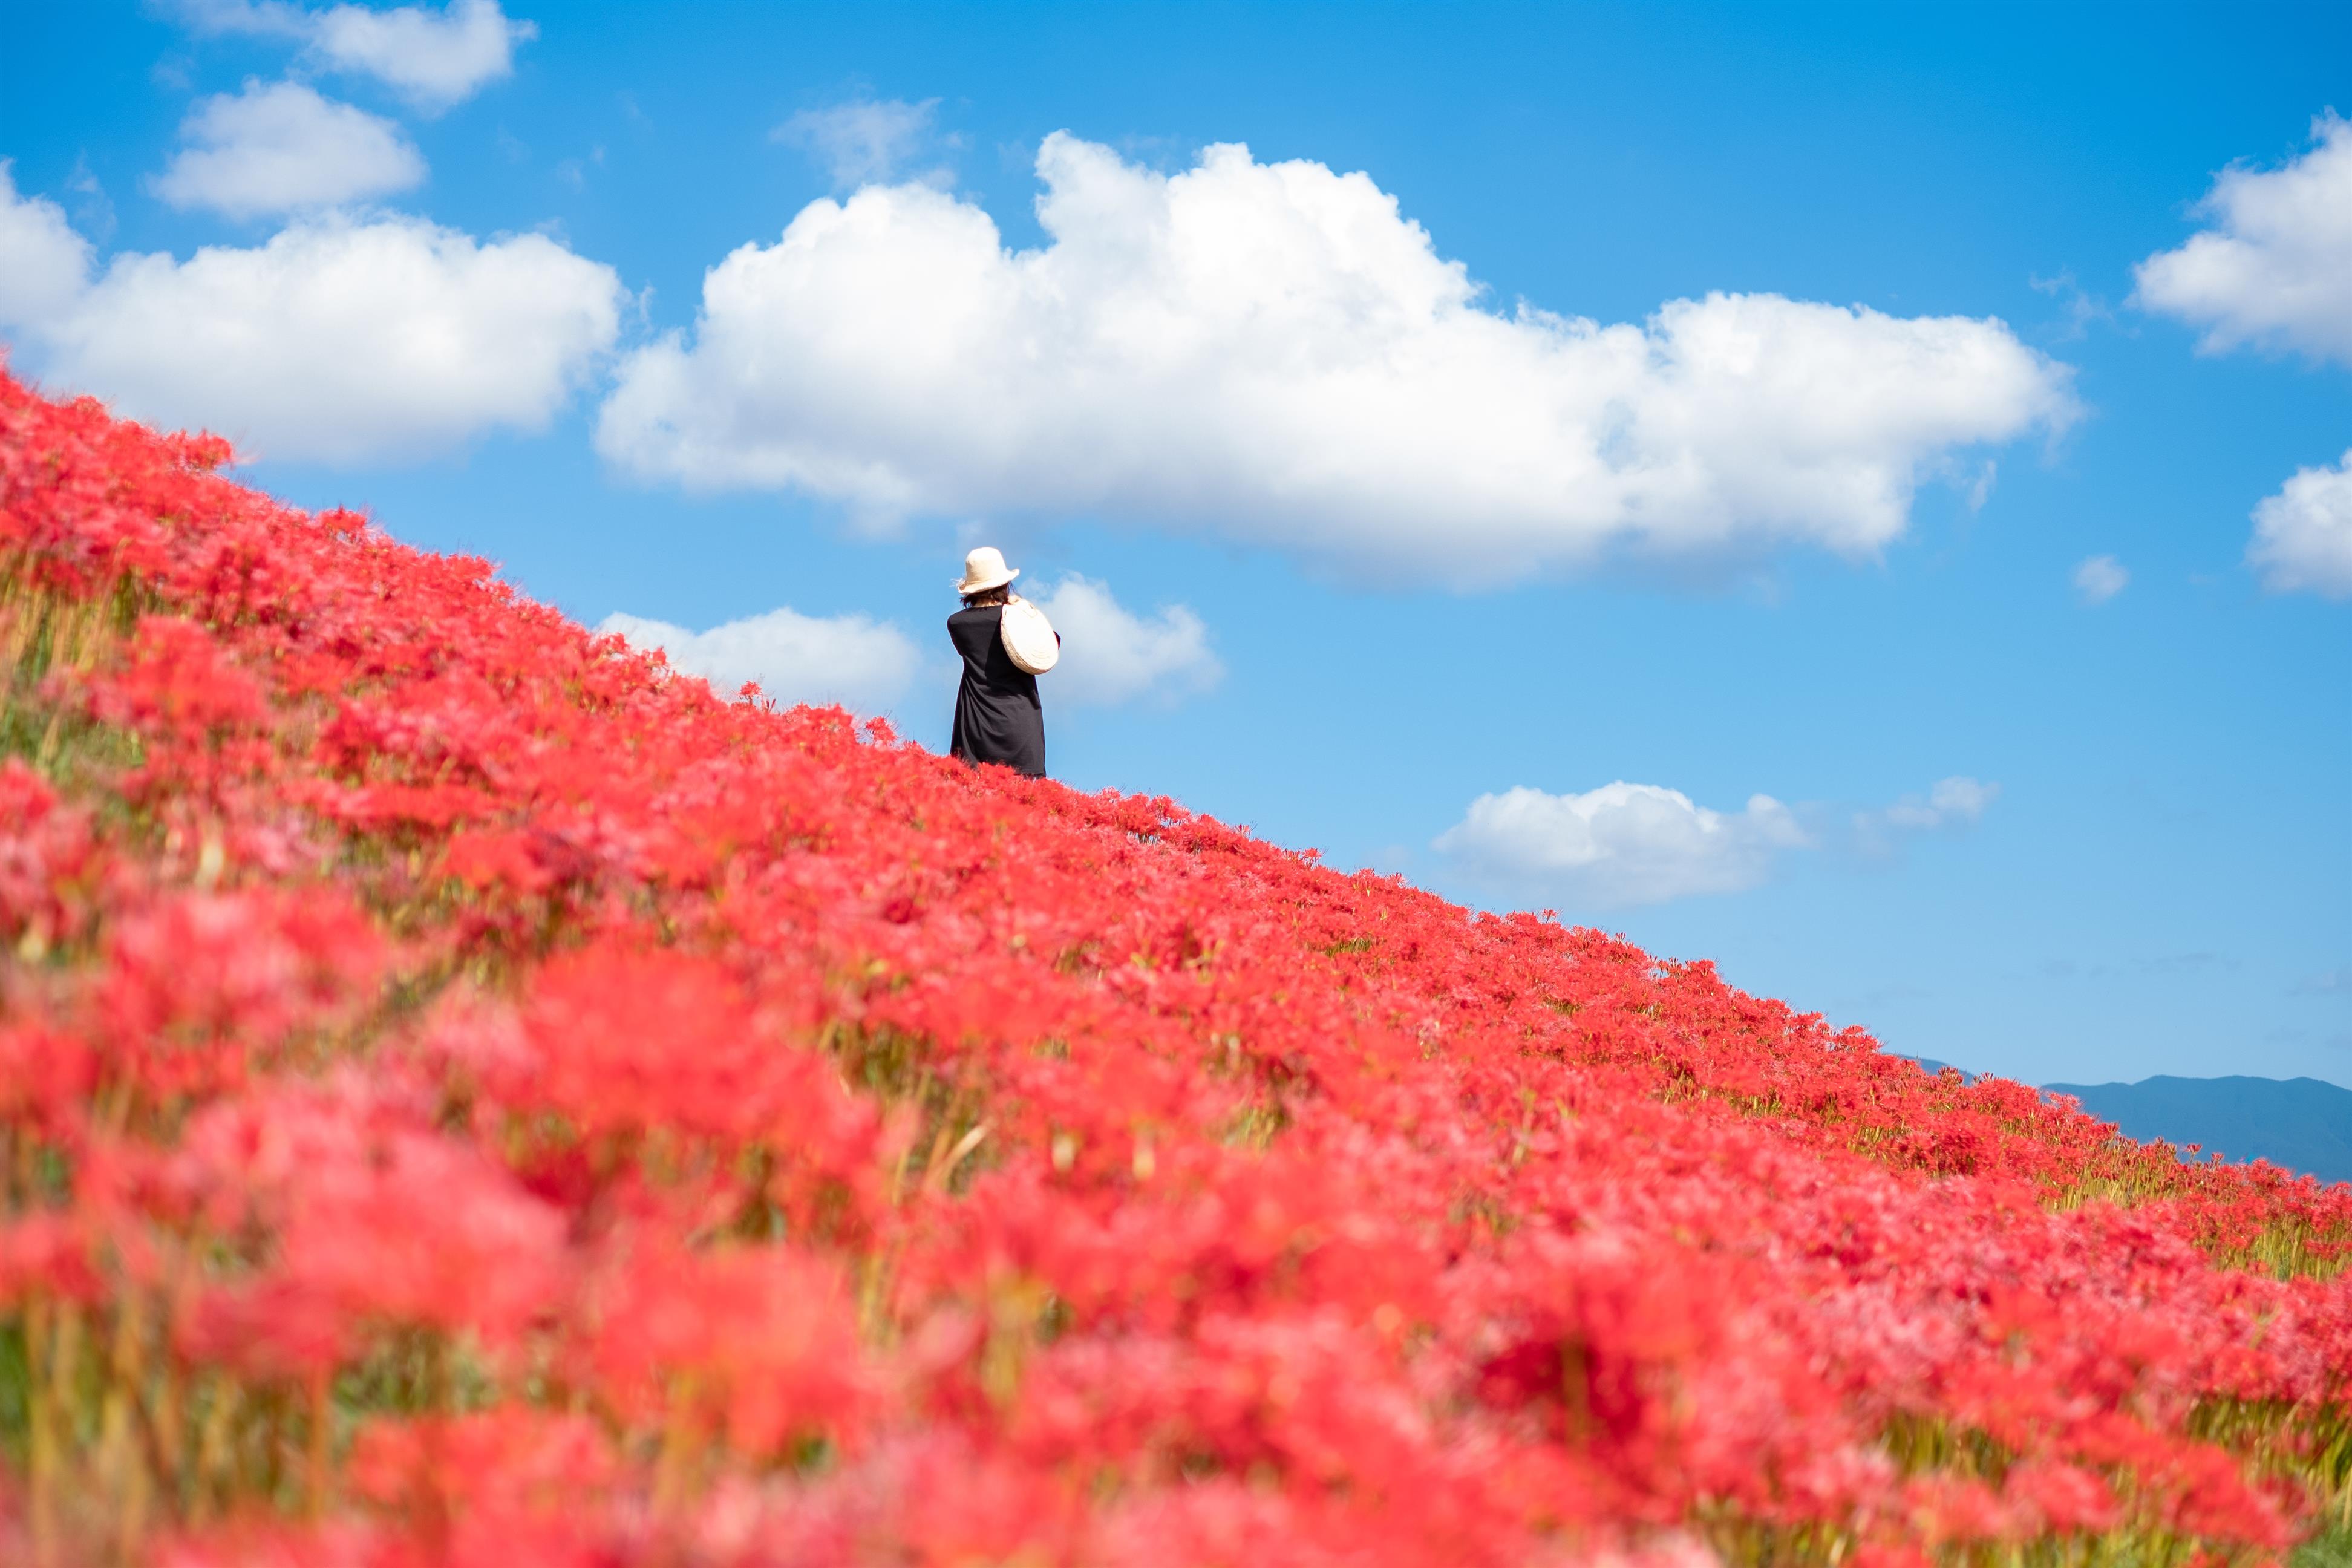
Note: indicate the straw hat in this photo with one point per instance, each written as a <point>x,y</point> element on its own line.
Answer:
<point>985,569</point>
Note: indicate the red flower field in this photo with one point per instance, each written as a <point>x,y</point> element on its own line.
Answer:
<point>469,1094</point>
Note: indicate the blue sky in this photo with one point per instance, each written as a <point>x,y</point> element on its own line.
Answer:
<point>1926,515</point>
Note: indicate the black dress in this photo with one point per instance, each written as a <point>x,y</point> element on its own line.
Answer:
<point>997,716</point>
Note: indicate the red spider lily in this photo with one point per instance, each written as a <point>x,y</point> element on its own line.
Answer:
<point>368,1218</point>
<point>756,1345</point>
<point>471,1094</point>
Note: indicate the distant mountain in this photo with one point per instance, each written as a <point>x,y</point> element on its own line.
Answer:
<point>2298,1122</point>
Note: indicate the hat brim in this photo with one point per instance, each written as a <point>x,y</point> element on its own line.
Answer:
<point>981,585</point>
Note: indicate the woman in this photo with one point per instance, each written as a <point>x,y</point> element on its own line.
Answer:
<point>997,716</point>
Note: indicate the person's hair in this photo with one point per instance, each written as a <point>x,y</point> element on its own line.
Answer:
<point>999,594</point>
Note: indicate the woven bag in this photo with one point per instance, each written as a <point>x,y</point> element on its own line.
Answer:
<point>1029,636</point>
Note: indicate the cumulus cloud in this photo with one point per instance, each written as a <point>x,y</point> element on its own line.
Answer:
<point>434,58</point>
<point>2275,269</point>
<point>1110,655</point>
<point>43,262</point>
<point>863,664</point>
<point>864,140</point>
<point>276,148</point>
<point>2101,578</point>
<point>1627,844</point>
<point>2303,535</point>
<point>336,342</point>
<point>437,60</point>
<point>1274,352</point>
<point>1619,844</point>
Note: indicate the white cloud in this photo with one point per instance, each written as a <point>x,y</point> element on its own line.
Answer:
<point>282,147</point>
<point>1626,844</point>
<point>1952,805</point>
<point>1110,655</point>
<point>2274,271</point>
<point>2100,578</point>
<point>1619,844</point>
<point>1958,801</point>
<point>43,262</point>
<point>865,140</point>
<point>861,664</point>
<point>2081,309</point>
<point>263,18</point>
<point>434,58</point>
<point>437,60</point>
<point>2303,535</point>
<point>336,342</point>
<point>1273,353</point>
<point>94,211</point>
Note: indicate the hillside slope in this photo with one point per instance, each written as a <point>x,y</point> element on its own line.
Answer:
<point>471,1095</point>
<point>2301,1123</point>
